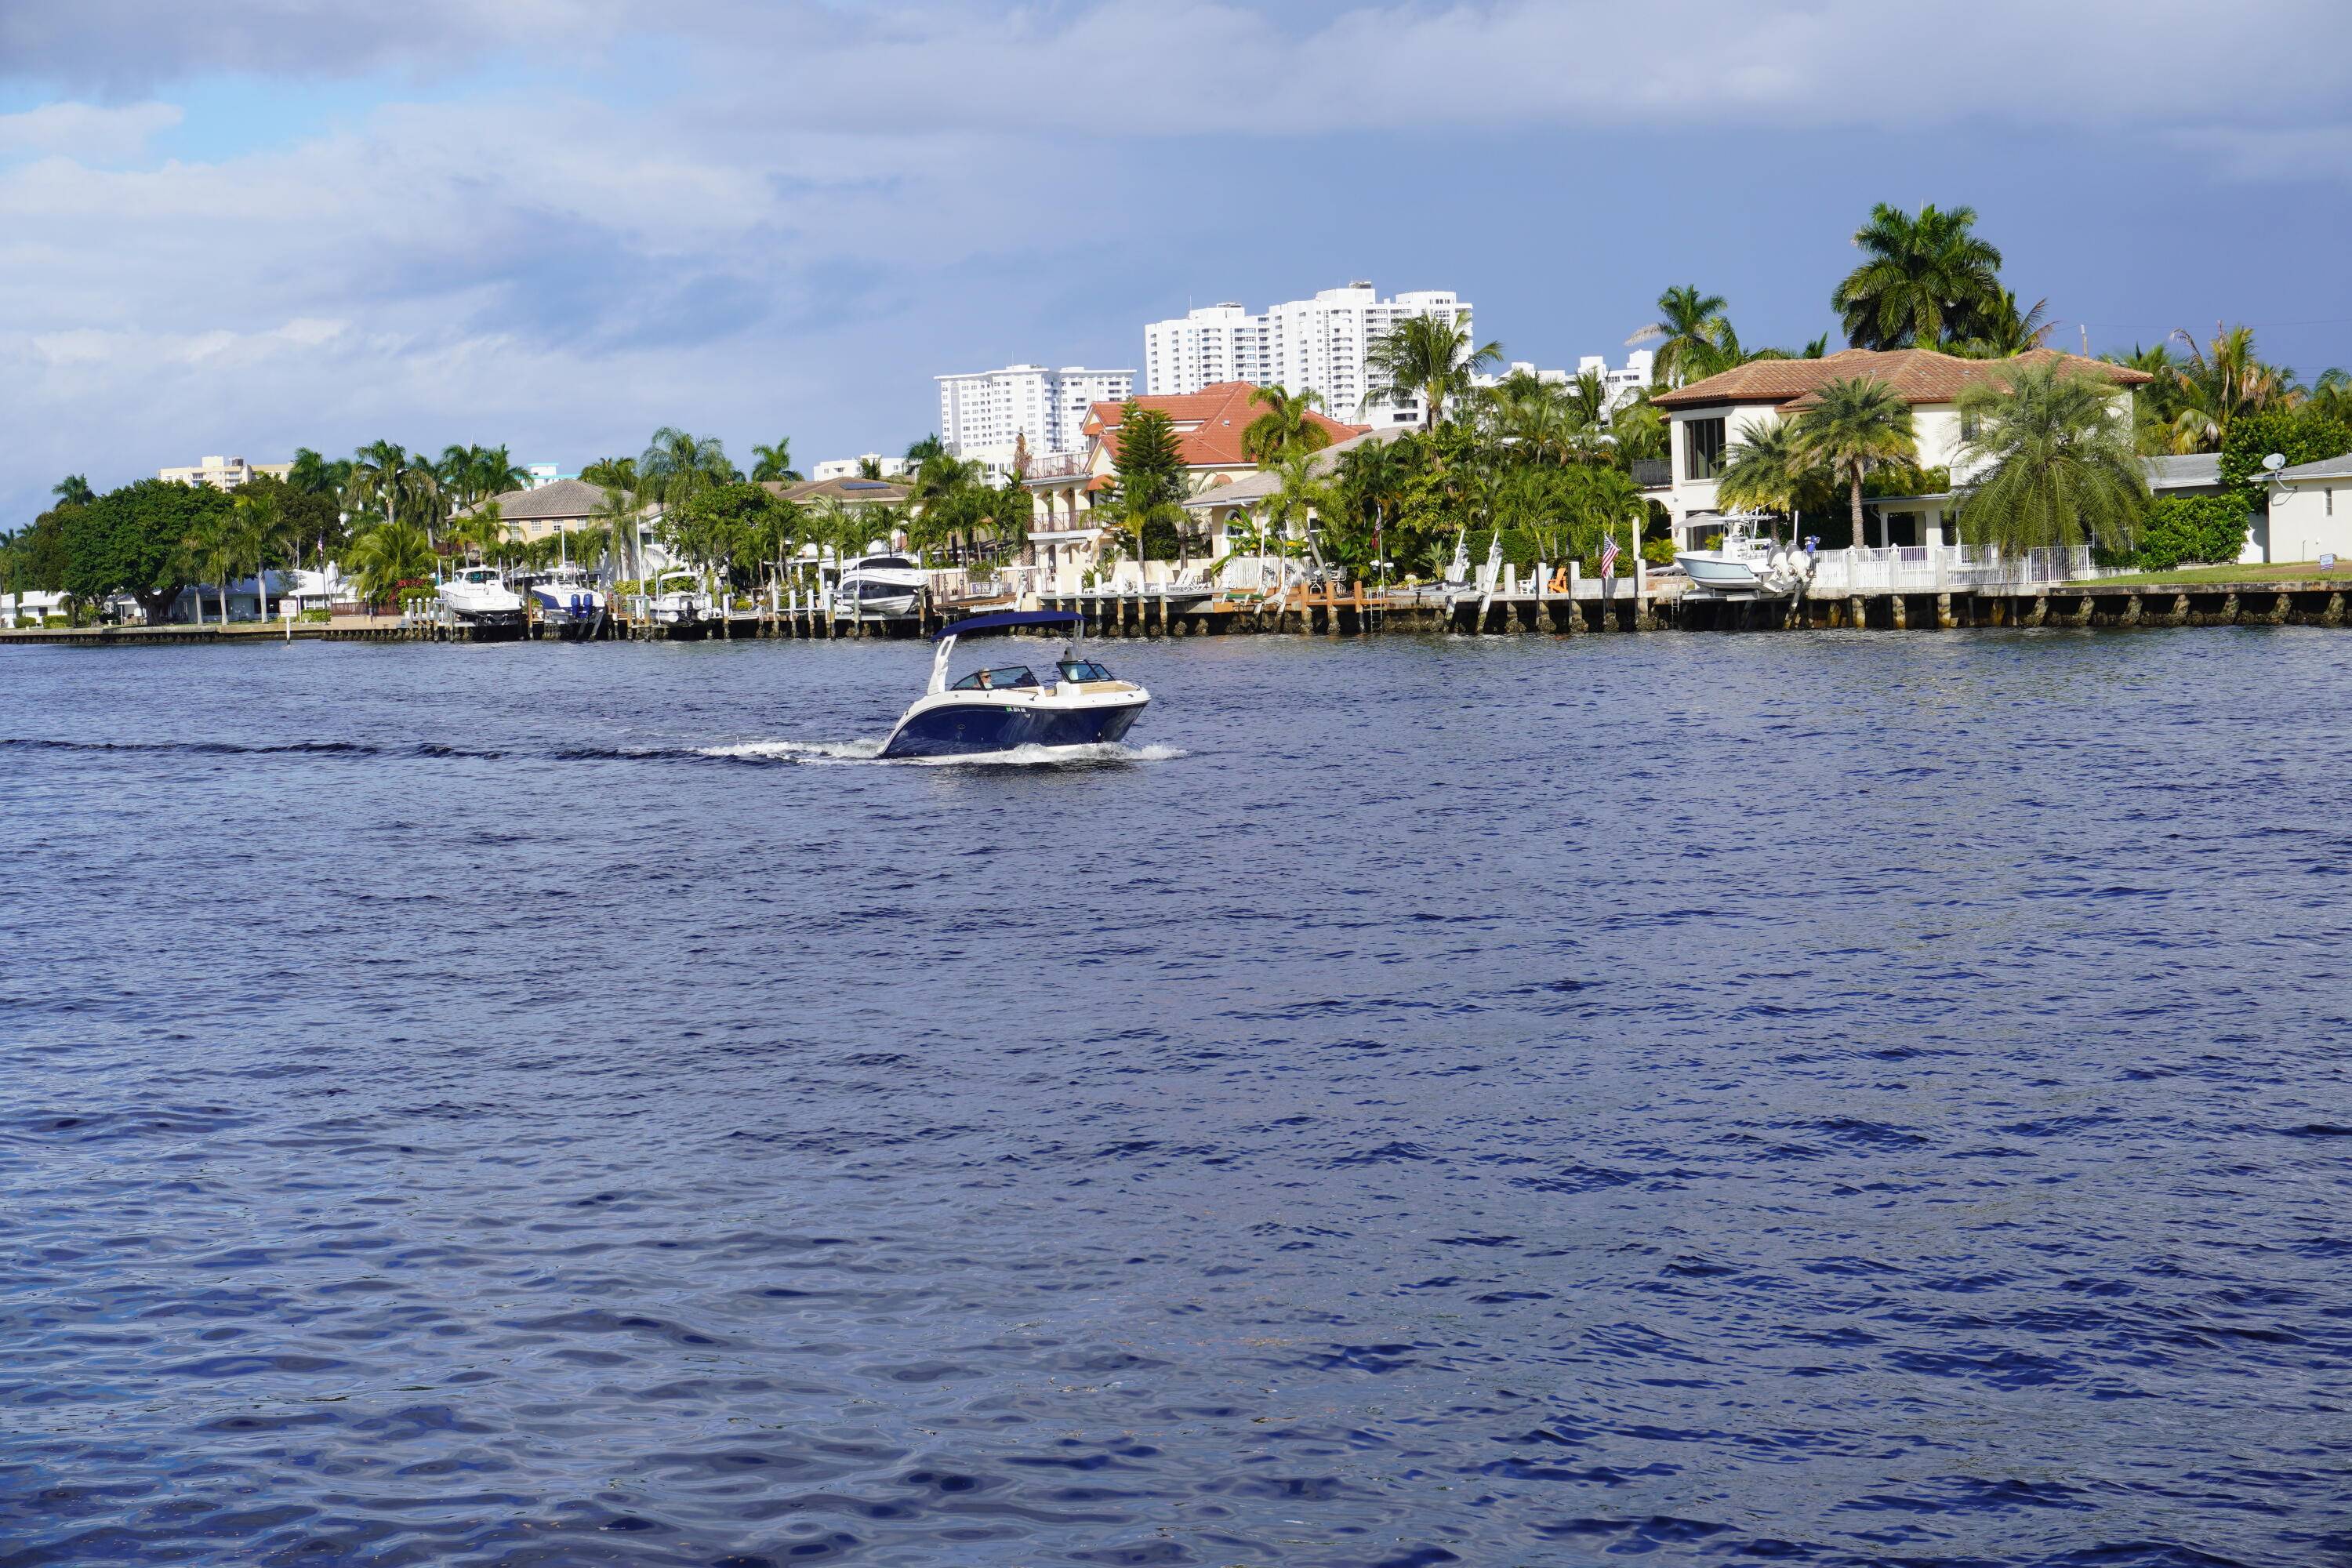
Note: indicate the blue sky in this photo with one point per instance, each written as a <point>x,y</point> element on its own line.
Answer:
<point>241,225</point>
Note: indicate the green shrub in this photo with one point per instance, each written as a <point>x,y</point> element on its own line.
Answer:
<point>316,617</point>
<point>2300,435</point>
<point>56,621</point>
<point>2192,529</point>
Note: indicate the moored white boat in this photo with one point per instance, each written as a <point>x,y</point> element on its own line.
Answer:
<point>478,597</point>
<point>884,588</point>
<point>568,601</point>
<point>1748,561</point>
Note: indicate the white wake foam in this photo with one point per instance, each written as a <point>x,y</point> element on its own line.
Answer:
<point>822,751</point>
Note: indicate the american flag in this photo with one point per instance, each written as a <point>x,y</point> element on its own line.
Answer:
<point>1608,554</point>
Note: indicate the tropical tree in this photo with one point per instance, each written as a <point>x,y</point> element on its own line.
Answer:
<point>1695,337</point>
<point>928,446</point>
<point>676,465</point>
<point>312,474</point>
<point>1924,279</point>
<point>1284,428</point>
<point>258,536</point>
<point>615,521</point>
<point>2219,383</point>
<point>1855,424</point>
<point>2058,467</point>
<point>207,553</point>
<point>1150,469</point>
<point>1426,356</point>
<point>611,473</point>
<point>388,556</point>
<point>869,467</point>
<point>385,479</point>
<point>772,465</point>
<point>1766,468</point>
<point>2004,331</point>
<point>2331,395</point>
<point>73,491</point>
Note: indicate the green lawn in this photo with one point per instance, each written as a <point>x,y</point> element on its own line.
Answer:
<point>2275,572</point>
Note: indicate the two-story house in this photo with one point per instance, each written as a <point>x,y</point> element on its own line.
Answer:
<point>1707,419</point>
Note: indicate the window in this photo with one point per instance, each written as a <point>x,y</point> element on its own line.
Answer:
<point>1701,448</point>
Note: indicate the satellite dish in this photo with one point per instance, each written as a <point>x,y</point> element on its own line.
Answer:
<point>2275,461</point>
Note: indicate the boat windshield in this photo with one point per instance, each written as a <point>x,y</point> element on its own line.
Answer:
<point>999,680</point>
<point>1079,672</point>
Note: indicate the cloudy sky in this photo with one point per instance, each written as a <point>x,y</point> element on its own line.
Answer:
<point>241,225</point>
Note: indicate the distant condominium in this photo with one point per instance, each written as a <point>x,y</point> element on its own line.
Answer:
<point>1304,346</point>
<point>224,473</point>
<point>986,415</point>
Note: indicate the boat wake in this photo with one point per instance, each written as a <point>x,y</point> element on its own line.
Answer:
<point>820,752</point>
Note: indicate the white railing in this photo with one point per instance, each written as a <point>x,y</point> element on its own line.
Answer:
<point>1941,568</point>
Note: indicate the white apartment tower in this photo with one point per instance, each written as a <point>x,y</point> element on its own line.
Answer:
<point>984,413</point>
<point>1316,344</point>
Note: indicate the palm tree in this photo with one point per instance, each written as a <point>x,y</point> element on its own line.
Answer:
<point>1284,428</point>
<point>1429,357</point>
<point>1925,279</point>
<point>495,472</point>
<point>616,518</point>
<point>380,473</point>
<point>611,473</point>
<point>2059,468</point>
<point>2331,395</point>
<point>73,491</point>
<point>869,467</point>
<point>1766,468</point>
<point>312,474</point>
<point>1694,333</point>
<point>2220,382</point>
<point>677,467</point>
<point>928,446</point>
<point>1855,424</point>
<point>257,535</point>
<point>389,555</point>
<point>205,554</point>
<point>774,464</point>
<point>2006,332</point>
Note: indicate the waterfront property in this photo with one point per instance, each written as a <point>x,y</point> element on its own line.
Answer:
<point>1067,533</point>
<point>1709,418</point>
<point>542,511</point>
<point>2311,511</point>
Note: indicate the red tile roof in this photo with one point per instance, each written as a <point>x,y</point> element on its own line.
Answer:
<point>1921,375</point>
<point>1209,422</point>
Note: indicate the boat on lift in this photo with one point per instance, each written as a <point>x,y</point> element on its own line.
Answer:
<point>879,587</point>
<point>680,605</point>
<point>1749,562</point>
<point>999,708</point>
<point>568,600</point>
<point>478,597</point>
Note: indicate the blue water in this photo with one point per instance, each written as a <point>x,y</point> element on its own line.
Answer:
<point>1839,1099</point>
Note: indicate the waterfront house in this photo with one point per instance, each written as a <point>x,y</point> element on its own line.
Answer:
<point>1708,418</point>
<point>2311,511</point>
<point>1222,511</point>
<point>1066,535</point>
<point>542,510</point>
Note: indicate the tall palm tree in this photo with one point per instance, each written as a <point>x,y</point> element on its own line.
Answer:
<point>1694,333</point>
<point>2059,468</point>
<point>1855,424</point>
<point>1924,279</point>
<point>258,536</point>
<point>774,464</point>
<point>616,517</point>
<point>2221,381</point>
<point>1429,357</point>
<point>73,491</point>
<point>312,474</point>
<point>677,467</point>
<point>2331,394</point>
<point>611,473</point>
<point>380,473</point>
<point>1284,428</point>
<point>495,473</point>
<point>206,554</point>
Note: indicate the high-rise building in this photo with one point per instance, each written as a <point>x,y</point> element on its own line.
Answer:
<point>224,473</point>
<point>984,415</point>
<point>1302,345</point>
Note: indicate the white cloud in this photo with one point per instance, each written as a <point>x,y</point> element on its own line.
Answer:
<point>86,131</point>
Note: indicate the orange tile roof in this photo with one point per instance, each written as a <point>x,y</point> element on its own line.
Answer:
<point>1920,375</point>
<point>1209,422</point>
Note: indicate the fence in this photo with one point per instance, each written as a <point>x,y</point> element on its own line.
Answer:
<point>1944,568</point>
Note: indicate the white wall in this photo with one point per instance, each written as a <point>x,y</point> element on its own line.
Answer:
<point>2311,520</point>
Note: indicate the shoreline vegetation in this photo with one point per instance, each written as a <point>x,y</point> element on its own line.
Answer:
<point>1556,470</point>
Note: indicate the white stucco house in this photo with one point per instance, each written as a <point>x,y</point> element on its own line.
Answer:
<point>2311,510</point>
<point>1708,418</point>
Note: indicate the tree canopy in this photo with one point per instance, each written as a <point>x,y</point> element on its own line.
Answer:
<point>129,541</point>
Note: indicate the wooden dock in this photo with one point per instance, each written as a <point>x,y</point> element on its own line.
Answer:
<point>1357,610</point>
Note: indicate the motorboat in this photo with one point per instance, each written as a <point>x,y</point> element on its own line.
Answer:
<point>478,597</point>
<point>681,604</point>
<point>1748,561</point>
<point>567,600</point>
<point>999,708</point>
<point>879,587</point>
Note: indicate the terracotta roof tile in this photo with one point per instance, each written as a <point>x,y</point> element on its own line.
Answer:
<point>1209,422</point>
<point>1921,375</point>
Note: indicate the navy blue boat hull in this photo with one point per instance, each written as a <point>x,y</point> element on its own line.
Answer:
<point>965,729</point>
